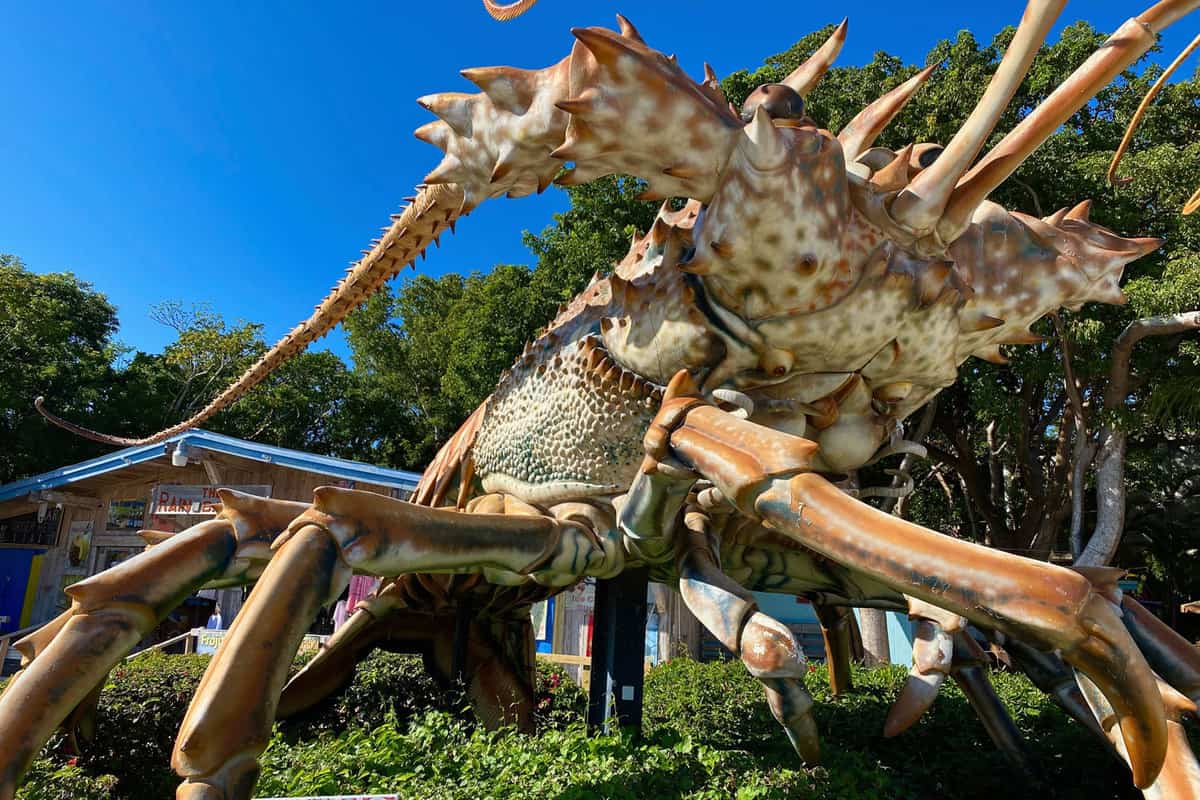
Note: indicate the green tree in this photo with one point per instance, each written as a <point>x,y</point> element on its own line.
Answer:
<point>56,340</point>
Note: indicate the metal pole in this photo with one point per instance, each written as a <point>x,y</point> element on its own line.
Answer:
<point>618,651</point>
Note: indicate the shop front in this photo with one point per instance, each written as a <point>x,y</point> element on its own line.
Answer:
<point>63,526</point>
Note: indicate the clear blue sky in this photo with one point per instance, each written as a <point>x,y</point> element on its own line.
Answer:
<point>241,154</point>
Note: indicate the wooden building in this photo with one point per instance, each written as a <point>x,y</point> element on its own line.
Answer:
<point>62,526</point>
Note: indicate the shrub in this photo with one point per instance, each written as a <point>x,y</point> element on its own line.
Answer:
<point>145,699</point>
<point>560,700</point>
<point>708,734</point>
<point>385,685</point>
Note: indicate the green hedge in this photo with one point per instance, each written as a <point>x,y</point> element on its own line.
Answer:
<point>707,734</point>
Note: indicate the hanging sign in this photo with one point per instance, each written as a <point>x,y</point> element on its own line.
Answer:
<point>207,641</point>
<point>176,499</point>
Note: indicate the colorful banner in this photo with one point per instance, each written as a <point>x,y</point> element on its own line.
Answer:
<point>126,514</point>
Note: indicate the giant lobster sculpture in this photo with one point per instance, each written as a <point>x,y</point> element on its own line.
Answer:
<point>682,413</point>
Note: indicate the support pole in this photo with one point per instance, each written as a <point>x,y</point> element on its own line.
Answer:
<point>618,648</point>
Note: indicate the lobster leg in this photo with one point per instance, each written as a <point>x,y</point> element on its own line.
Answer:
<point>767,648</point>
<point>218,745</point>
<point>66,661</point>
<point>933,655</point>
<point>762,473</point>
<point>230,718</point>
<point>969,670</point>
<point>837,629</point>
<point>1180,775</point>
<point>498,694</point>
<point>1050,673</point>
<point>1174,658</point>
<point>333,667</point>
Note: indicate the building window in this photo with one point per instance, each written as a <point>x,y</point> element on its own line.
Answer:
<point>27,529</point>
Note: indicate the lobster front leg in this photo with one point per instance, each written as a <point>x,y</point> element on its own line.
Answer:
<point>65,662</point>
<point>229,722</point>
<point>762,472</point>
<point>110,613</point>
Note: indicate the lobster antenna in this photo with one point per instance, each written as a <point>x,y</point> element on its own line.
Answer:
<point>1194,201</point>
<point>506,11</point>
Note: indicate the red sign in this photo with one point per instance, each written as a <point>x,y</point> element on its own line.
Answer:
<point>177,499</point>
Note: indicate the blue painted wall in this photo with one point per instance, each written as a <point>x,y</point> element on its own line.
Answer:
<point>14,577</point>
<point>784,608</point>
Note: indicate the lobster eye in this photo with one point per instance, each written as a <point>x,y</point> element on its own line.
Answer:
<point>929,156</point>
<point>780,100</point>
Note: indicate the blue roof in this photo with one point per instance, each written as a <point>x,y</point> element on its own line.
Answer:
<point>218,443</point>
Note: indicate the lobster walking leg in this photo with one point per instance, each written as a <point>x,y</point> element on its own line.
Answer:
<point>767,648</point>
<point>229,721</point>
<point>65,661</point>
<point>969,670</point>
<point>1051,674</point>
<point>498,694</point>
<point>1180,775</point>
<point>1174,658</point>
<point>837,629</point>
<point>762,473</point>
<point>218,745</point>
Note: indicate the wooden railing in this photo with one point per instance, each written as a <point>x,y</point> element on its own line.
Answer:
<point>7,639</point>
<point>188,635</point>
<point>583,662</point>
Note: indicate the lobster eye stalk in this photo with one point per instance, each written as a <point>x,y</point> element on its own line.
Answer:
<point>779,100</point>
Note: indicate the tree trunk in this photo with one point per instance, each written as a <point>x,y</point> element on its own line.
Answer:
<point>876,648</point>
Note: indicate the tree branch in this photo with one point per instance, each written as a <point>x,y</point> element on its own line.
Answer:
<point>1110,463</point>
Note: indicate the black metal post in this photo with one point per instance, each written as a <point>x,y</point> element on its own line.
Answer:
<point>618,651</point>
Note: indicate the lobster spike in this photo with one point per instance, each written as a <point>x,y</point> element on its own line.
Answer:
<point>762,144</point>
<point>582,105</point>
<point>606,46</point>
<point>1081,212</point>
<point>895,175</point>
<point>449,171</point>
<point>628,31</point>
<point>920,206</point>
<point>808,74</point>
<point>436,133</point>
<point>696,266</point>
<point>454,107</point>
<point>1022,337</point>
<point>861,132</point>
<point>978,322</point>
<point>505,161</point>
<point>991,353</point>
<point>1057,217</point>
<point>508,88</point>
